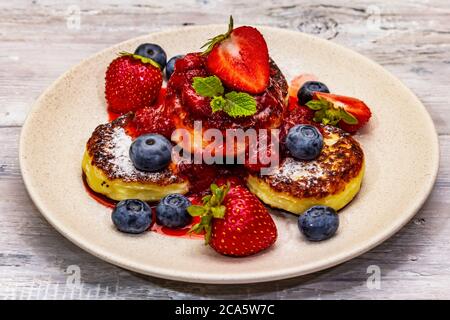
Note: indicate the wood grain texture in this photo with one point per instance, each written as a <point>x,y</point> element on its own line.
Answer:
<point>410,38</point>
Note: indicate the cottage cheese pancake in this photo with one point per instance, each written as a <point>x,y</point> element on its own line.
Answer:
<point>333,179</point>
<point>109,170</point>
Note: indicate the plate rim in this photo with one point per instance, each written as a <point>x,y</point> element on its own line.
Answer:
<point>261,276</point>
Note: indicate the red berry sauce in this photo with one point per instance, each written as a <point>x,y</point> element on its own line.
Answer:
<point>187,106</point>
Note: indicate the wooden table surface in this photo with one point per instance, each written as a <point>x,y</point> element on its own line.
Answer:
<point>39,40</point>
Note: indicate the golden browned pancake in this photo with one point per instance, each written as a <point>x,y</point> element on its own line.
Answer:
<point>109,170</point>
<point>333,179</point>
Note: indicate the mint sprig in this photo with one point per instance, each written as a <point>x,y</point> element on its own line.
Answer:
<point>329,114</point>
<point>235,104</point>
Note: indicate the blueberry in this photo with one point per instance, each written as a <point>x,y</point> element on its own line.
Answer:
<point>171,211</point>
<point>171,65</point>
<point>150,152</point>
<point>304,142</point>
<point>132,216</point>
<point>154,52</point>
<point>318,223</point>
<point>306,92</point>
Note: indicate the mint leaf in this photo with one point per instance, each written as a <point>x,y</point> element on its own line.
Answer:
<point>235,104</point>
<point>208,86</point>
<point>239,104</point>
<point>217,103</point>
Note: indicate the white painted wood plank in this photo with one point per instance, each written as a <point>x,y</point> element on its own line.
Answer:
<point>411,39</point>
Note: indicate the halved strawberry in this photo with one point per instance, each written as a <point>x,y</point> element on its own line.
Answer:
<point>240,58</point>
<point>350,114</point>
<point>236,222</point>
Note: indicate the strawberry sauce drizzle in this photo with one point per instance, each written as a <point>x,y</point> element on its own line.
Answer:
<point>182,232</point>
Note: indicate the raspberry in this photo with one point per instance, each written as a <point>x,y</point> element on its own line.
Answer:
<point>200,176</point>
<point>153,120</point>
<point>197,104</point>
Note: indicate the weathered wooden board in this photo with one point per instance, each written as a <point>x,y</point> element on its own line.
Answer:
<point>38,43</point>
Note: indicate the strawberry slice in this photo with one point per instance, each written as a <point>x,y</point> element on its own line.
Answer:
<point>236,222</point>
<point>350,114</point>
<point>240,58</point>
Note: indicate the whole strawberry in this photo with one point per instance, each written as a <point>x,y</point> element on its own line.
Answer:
<point>236,222</point>
<point>132,82</point>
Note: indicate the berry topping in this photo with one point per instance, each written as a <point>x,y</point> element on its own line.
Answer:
<point>348,113</point>
<point>306,92</point>
<point>153,120</point>
<point>170,67</point>
<point>132,216</point>
<point>196,104</point>
<point>190,61</point>
<point>132,82</point>
<point>151,152</point>
<point>152,51</point>
<point>200,176</point>
<point>236,222</point>
<point>240,58</point>
<point>318,223</point>
<point>171,211</point>
<point>304,142</point>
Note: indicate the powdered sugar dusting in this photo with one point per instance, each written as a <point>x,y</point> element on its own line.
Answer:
<point>120,144</point>
<point>299,171</point>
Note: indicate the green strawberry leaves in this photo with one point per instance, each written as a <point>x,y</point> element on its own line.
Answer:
<point>235,104</point>
<point>211,208</point>
<point>328,113</point>
<point>217,39</point>
<point>141,58</point>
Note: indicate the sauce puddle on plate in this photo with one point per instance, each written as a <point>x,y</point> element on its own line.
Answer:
<point>181,232</point>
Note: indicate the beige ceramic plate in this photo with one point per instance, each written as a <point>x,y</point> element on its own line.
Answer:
<point>400,144</point>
